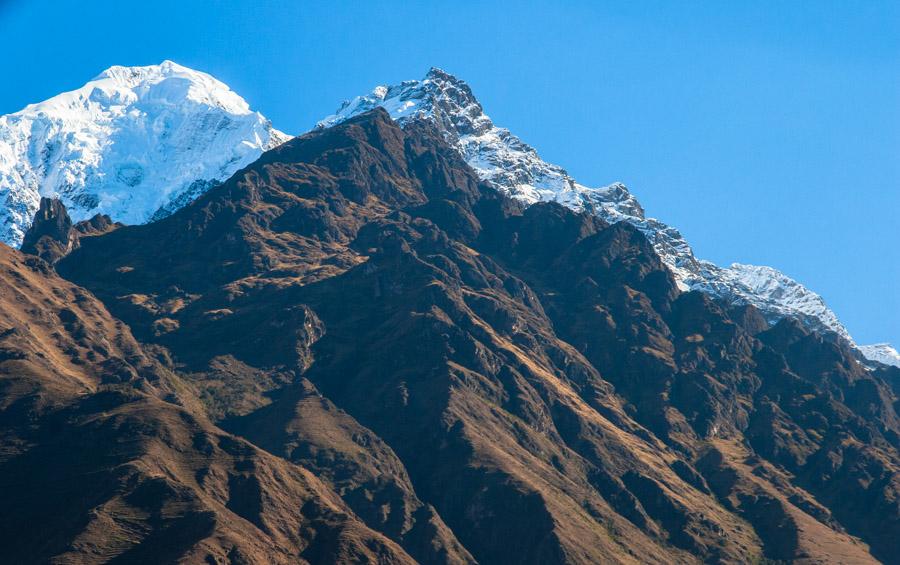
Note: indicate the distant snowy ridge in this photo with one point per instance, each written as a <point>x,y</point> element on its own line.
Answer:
<point>515,168</point>
<point>881,352</point>
<point>135,143</point>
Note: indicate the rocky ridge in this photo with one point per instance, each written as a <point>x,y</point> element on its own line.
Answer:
<point>515,168</point>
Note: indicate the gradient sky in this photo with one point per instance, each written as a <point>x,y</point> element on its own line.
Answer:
<point>769,134</point>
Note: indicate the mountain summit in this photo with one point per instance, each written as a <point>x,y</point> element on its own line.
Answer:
<point>514,168</point>
<point>134,143</point>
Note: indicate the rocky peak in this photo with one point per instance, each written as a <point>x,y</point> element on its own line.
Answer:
<point>51,235</point>
<point>516,169</point>
<point>439,97</point>
<point>51,220</point>
<point>453,105</point>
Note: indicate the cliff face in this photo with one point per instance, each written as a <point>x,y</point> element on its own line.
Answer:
<point>354,349</point>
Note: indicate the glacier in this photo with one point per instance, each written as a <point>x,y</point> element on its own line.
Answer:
<point>135,143</point>
<point>514,167</point>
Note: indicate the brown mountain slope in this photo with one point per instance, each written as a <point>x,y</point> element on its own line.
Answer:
<point>498,384</point>
<point>360,466</point>
<point>106,456</point>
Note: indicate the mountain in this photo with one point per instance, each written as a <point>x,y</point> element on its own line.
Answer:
<point>513,167</point>
<point>477,380</point>
<point>356,349</point>
<point>135,143</point>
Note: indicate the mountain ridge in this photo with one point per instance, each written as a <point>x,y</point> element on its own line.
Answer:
<point>515,168</point>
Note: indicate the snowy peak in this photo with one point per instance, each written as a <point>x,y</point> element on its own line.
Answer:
<point>166,83</point>
<point>515,168</point>
<point>170,82</point>
<point>135,143</point>
<point>439,97</point>
<point>497,155</point>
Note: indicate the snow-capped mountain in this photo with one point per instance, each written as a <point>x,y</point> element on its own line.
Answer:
<point>515,168</point>
<point>135,143</point>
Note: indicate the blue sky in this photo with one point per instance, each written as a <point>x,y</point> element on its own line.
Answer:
<point>768,132</point>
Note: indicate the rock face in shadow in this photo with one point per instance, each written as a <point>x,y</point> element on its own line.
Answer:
<point>356,351</point>
<point>51,235</point>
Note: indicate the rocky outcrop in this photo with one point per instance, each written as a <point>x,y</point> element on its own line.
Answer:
<point>52,235</point>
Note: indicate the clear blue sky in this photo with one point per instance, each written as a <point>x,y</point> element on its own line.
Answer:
<point>768,133</point>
